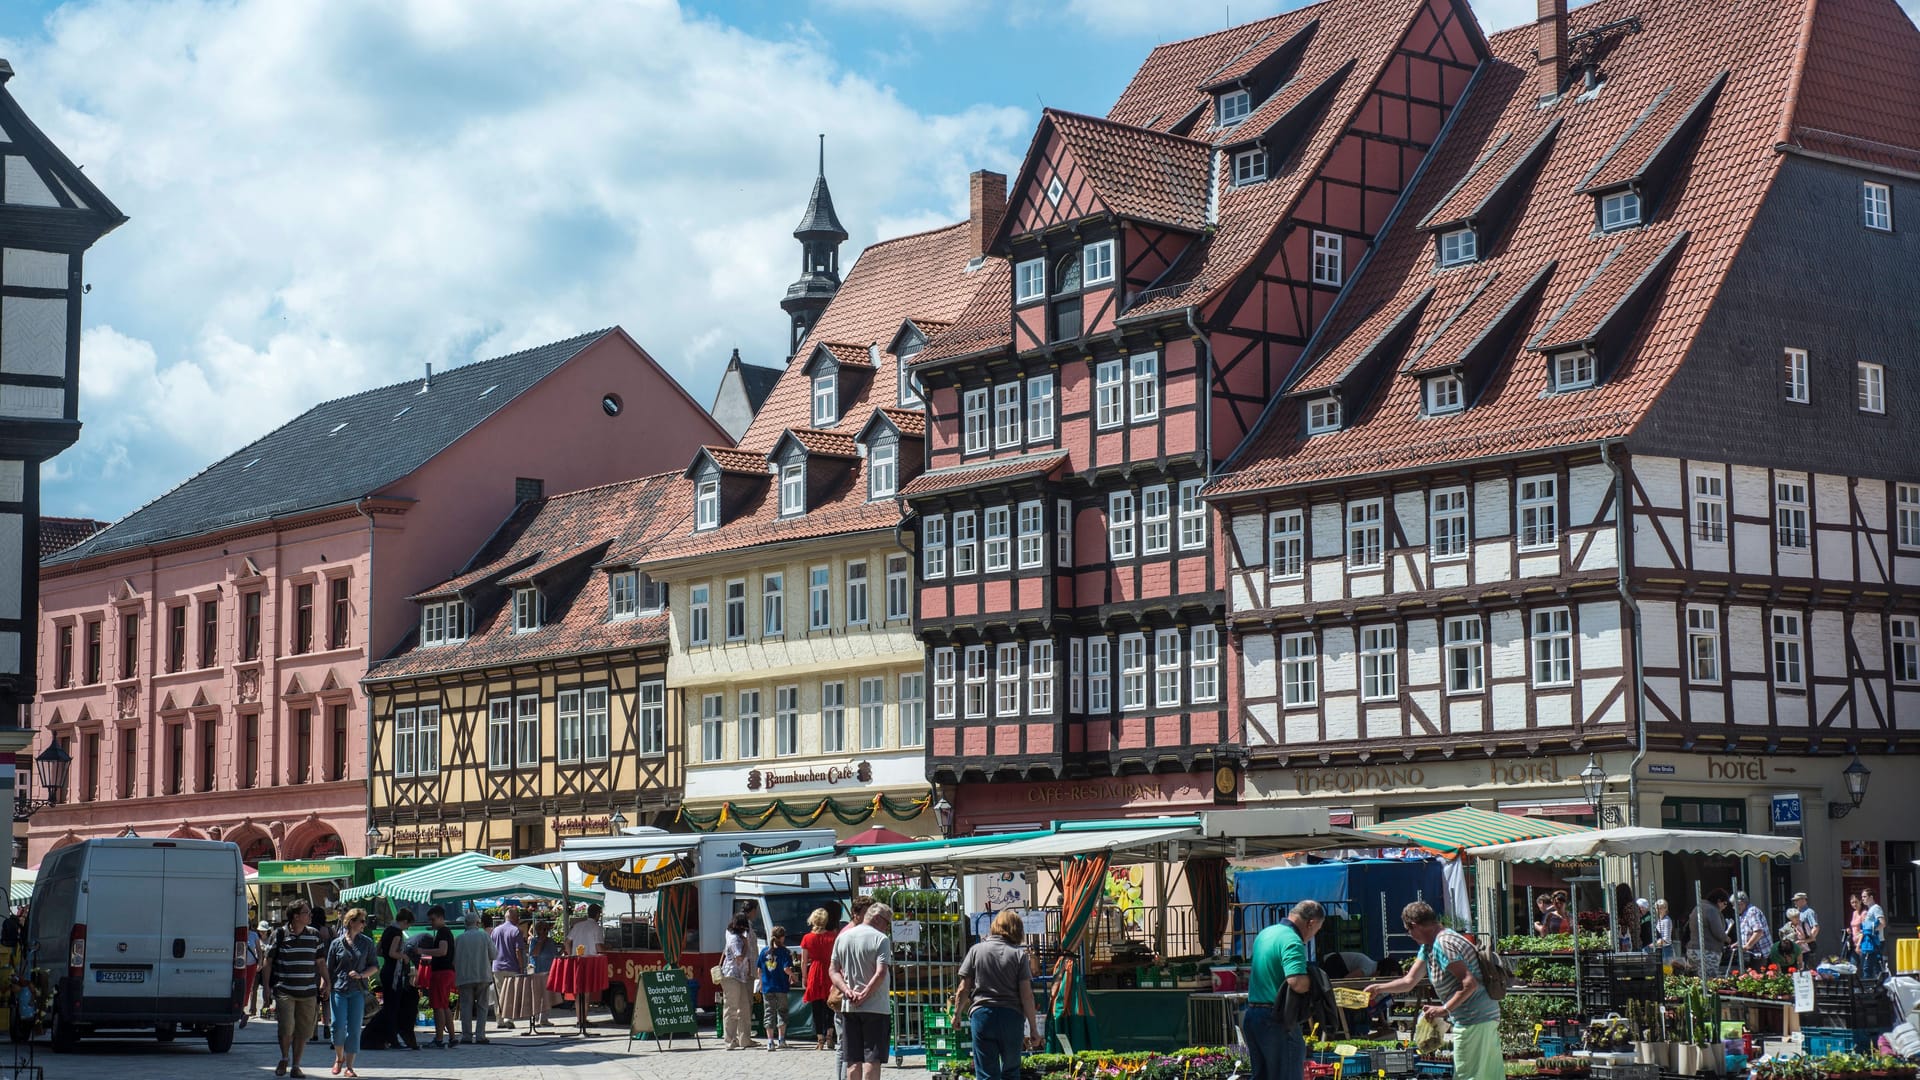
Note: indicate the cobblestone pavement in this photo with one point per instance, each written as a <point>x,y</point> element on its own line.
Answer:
<point>509,1056</point>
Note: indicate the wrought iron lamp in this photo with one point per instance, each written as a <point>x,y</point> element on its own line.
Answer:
<point>1856,776</point>
<point>52,766</point>
<point>944,811</point>
<point>1593,782</point>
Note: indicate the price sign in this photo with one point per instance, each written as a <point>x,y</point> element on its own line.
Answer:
<point>906,932</point>
<point>1803,991</point>
<point>1033,923</point>
<point>665,1007</point>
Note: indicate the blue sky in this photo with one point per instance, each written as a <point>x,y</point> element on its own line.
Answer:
<point>325,196</point>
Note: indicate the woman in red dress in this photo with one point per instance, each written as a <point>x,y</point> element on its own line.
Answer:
<point>816,952</point>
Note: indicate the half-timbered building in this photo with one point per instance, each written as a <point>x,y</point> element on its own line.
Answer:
<point>531,702</point>
<point>1607,454</point>
<point>1157,273</point>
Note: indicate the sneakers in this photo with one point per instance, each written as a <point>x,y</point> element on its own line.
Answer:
<point>437,1044</point>
<point>772,1046</point>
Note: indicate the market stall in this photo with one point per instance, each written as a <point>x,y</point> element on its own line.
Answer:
<point>460,878</point>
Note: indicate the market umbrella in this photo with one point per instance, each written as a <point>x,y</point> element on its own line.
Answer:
<point>879,834</point>
<point>1083,879</point>
<point>463,877</point>
<point>1451,831</point>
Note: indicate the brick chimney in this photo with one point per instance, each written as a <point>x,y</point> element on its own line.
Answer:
<point>986,205</point>
<point>1550,44</point>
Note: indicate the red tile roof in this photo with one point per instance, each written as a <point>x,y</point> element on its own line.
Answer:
<point>1855,94</point>
<point>729,460</point>
<point>909,422</point>
<point>986,472</point>
<point>986,324</point>
<point>1493,299</point>
<point>57,534</point>
<point>825,443</point>
<point>1138,173</point>
<point>1497,167</point>
<point>1722,178</point>
<point>1660,127</point>
<point>849,355</point>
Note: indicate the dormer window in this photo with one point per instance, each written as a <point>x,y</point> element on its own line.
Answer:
<point>882,469</point>
<point>1249,166</point>
<point>1029,281</point>
<point>624,589</point>
<point>908,383</point>
<point>826,400</point>
<point>443,623</point>
<point>793,489</point>
<point>1459,246</point>
<point>1323,415</point>
<point>1445,394</point>
<point>706,505</point>
<point>1620,210</point>
<point>1234,107</point>
<point>526,609</point>
<point>1573,371</point>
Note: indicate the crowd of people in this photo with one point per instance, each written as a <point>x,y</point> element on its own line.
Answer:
<point>1736,933</point>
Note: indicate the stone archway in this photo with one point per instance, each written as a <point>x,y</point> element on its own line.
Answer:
<point>312,839</point>
<point>252,840</point>
<point>185,831</point>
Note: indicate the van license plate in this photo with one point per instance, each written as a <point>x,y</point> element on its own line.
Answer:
<point>120,976</point>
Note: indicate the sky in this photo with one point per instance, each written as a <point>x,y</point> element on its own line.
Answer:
<point>323,197</point>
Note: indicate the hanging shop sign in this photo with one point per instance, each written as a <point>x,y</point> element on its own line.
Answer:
<point>581,826</point>
<point>851,773</point>
<point>755,851</point>
<point>615,876</point>
<point>426,834</point>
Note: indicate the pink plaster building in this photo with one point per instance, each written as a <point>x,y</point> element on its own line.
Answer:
<point>201,658</point>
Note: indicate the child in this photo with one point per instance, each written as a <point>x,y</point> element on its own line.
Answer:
<point>776,980</point>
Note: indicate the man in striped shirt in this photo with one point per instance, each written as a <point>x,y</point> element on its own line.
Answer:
<point>296,970</point>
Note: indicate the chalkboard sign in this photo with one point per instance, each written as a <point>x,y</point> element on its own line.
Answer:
<point>665,1007</point>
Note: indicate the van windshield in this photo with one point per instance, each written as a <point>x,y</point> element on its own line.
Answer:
<point>791,910</point>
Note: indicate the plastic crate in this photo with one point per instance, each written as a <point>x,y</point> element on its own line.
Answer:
<point>1433,1068</point>
<point>1393,1062</point>
<point>1319,1070</point>
<point>1825,1040</point>
<point>1626,1072</point>
<point>1553,1046</point>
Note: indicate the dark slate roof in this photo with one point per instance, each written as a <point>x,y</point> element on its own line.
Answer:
<point>57,534</point>
<point>758,380</point>
<point>820,217</point>
<point>337,451</point>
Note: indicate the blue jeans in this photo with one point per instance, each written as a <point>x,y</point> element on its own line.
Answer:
<point>348,1013</point>
<point>1274,1049</point>
<point>997,1035</point>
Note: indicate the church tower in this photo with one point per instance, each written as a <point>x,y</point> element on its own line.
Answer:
<point>820,234</point>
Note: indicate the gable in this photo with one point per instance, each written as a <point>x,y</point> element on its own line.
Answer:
<point>1053,188</point>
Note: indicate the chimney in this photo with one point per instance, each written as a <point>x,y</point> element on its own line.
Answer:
<point>1550,45</point>
<point>427,383</point>
<point>986,205</point>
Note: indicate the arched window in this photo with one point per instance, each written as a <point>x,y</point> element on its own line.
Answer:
<point>1066,273</point>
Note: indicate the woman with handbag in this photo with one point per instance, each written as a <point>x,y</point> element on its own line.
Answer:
<point>351,961</point>
<point>739,961</point>
<point>816,956</point>
<point>995,996</point>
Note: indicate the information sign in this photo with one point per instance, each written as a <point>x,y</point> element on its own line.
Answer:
<point>665,1007</point>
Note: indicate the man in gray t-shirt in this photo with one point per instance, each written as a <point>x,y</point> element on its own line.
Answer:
<point>862,956</point>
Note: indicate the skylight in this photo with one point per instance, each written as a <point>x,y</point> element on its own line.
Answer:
<point>249,464</point>
<point>404,410</point>
<point>337,427</point>
<point>489,389</point>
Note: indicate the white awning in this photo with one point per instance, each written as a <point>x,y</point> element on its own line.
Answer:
<point>1639,840</point>
<point>611,849</point>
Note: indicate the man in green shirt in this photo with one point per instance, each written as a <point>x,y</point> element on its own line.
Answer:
<point>1274,1047</point>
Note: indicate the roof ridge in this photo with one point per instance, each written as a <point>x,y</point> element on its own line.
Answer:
<point>1133,128</point>
<point>1242,26</point>
<point>458,367</point>
<point>912,236</point>
<point>549,499</point>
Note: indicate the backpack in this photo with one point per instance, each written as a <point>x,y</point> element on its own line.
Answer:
<point>1495,972</point>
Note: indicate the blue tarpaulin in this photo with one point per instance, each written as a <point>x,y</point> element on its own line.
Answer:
<point>1352,888</point>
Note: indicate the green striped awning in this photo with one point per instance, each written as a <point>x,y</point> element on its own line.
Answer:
<point>1451,831</point>
<point>464,877</point>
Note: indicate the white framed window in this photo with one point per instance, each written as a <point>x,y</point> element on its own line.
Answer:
<point>1906,503</point>
<point>825,400</point>
<point>833,717</point>
<point>1794,376</point>
<point>623,589</point>
<point>443,623</point>
<point>976,657</point>
<point>1039,678</point>
<point>1620,210</point>
<point>1144,382</point>
<point>1465,654</point>
<point>1876,206</point>
<point>403,742</point>
<point>1098,262</point>
<point>706,505</point>
<point>697,626</point>
<point>1033,543</point>
<point>598,722</point>
<point>1006,414</point>
<point>1029,280</point>
<point>1193,516</point>
<point>1790,514</point>
<point>1447,532</point>
<point>1703,644</point>
<point>1870,387</point>
<point>786,720</point>
<point>1366,532</point>
<point>882,470</point>
<point>1903,632</point>
<point>1329,258</point>
<point>965,540</point>
<point>713,730</point>
<point>873,714</point>
<point>653,718</point>
<point>1055,189</point>
<point>1553,647</point>
<point>1120,536</point>
<point>1076,676</point>
<point>1445,394</point>
<point>1709,508</point>
<point>899,589</point>
<point>569,727</point>
<point>1133,672</point>
<point>1203,660</point>
<point>1573,370</point>
<point>653,594</point>
<point>1156,524</point>
<point>1234,107</point>
<point>1299,671</point>
<point>526,609</point>
<point>977,434</point>
<point>1039,408</point>
<point>1458,246</point>
<point>793,489</point>
<point>857,593</point>
<point>1323,415</point>
<point>1099,676</point>
<point>1249,166</point>
<point>933,556</point>
<point>1110,391</point>
<point>1063,533</point>
<point>737,609</point>
<point>913,709</point>
<point>427,730</point>
<point>746,726</point>
<point>908,384</point>
<point>999,547</point>
<point>1539,512</point>
<point>819,598</point>
<point>1006,679</point>
<point>1286,544</point>
<point>945,684</point>
<point>1788,664</point>
<point>1379,663</point>
<point>499,733</point>
<point>773,605</point>
<point>526,731</point>
<point>1166,668</point>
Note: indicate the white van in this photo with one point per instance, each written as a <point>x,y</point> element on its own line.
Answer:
<point>142,934</point>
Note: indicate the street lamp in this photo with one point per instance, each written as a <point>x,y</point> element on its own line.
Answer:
<point>1856,776</point>
<point>944,811</point>
<point>1593,782</point>
<point>374,839</point>
<point>52,766</point>
<point>617,822</point>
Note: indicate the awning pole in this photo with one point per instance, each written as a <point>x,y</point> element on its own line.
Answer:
<point>1160,908</point>
<point>1579,995</point>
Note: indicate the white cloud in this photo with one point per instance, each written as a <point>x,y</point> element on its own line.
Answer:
<point>323,197</point>
<point>937,13</point>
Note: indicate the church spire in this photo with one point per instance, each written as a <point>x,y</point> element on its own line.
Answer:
<point>820,234</point>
